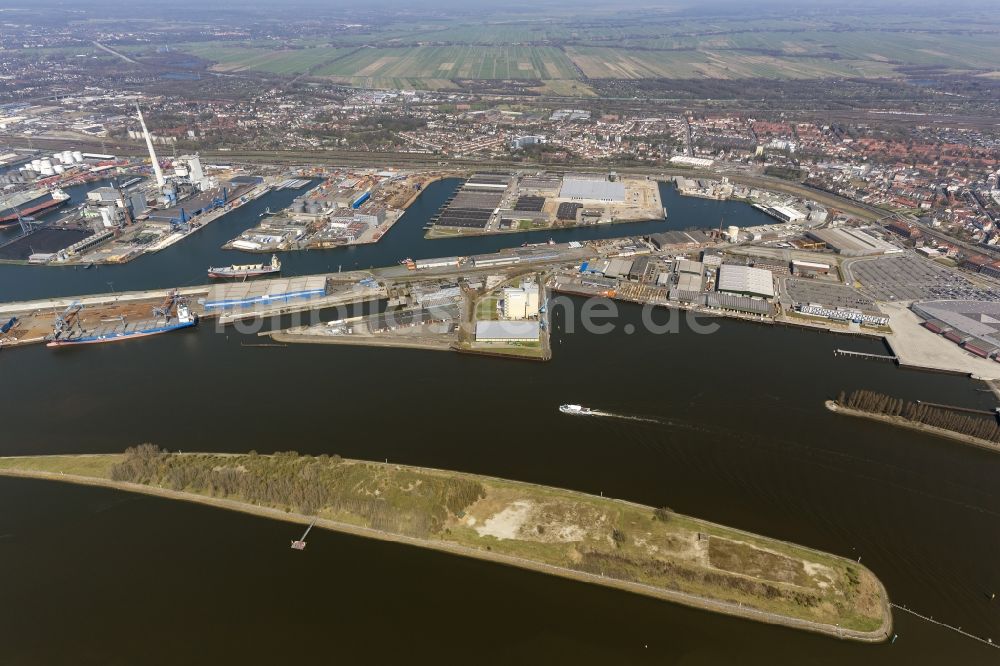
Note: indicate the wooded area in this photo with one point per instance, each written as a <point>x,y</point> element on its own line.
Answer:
<point>400,500</point>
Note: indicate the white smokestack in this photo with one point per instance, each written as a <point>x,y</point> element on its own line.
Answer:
<point>160,181</point>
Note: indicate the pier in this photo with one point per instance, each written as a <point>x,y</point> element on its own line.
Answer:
<point>865,355</point>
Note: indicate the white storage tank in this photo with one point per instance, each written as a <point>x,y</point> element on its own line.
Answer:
<point>77,156</point>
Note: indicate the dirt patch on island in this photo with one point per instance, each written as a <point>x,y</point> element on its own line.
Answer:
<point>507,524</point>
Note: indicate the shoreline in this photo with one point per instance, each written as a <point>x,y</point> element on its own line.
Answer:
<point>901,422</point>
<point>703,603</point>
<point>360,341</point>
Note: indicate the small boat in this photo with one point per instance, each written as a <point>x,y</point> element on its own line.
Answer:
<point>246,270</point>
<point>576,410</point>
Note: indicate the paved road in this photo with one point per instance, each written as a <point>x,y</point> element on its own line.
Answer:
<point>116,53</point>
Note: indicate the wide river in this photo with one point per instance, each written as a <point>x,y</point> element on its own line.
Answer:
<point>742,438</point>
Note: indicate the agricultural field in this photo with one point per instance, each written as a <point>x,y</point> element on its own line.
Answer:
<point>494,33</point>
<point>396,83</point>
<point>563,52</point>
<point>608,63</point>
<point>454,62</point>
<point>240,58</point>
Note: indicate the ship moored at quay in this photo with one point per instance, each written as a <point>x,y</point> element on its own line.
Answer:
<point>174,314</point>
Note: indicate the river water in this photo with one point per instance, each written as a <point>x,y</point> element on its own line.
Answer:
<point>741,437</point>
<point>184,263</point>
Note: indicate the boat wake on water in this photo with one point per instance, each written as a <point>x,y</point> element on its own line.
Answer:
<point>579,410</point>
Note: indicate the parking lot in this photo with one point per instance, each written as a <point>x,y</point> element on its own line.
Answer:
<point>827,294</point>
<point>912,278</point>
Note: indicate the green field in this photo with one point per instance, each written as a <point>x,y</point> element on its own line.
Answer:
<point>566,50</point>
<point>486,309</point>
<point>616,63</point>
<point>238,58</point>
<point>454,62</point>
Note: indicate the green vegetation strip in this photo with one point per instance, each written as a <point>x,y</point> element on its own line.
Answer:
<point>595,539</point>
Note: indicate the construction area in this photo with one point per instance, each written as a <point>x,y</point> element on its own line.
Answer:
<point>503,203</point>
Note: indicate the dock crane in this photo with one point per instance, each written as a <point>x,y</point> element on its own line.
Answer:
<point>301,543</point>
<point>219,202</point>
<point>165,308</point>
<point>180,220</point>
<point>64,322</point>
<point>26,223</point>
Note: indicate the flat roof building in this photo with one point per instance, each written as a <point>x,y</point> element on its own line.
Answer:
<point>592,190</point>
<point>688,266</point>
<point>852,242</point>
<point>507,331</point>
<point>745,280</point>
<point>618,267</point>
<point>973,319</point>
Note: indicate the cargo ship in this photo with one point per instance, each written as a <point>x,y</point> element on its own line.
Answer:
<point>172,316</point>
<point>246,270</point>
<point>32,203</point>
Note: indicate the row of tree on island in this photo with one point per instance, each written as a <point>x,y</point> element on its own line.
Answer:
<point>981,426</point>
<point>385,497</point>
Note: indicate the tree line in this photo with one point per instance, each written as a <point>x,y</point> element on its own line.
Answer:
<point>975,425</point>
<point>395,499</point>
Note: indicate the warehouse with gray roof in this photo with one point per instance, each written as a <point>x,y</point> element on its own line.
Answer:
<point>745,280</point>
<point>592,190</point>
<point>852,242</point>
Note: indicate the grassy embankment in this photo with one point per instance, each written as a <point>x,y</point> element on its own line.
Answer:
<point>595,539</point>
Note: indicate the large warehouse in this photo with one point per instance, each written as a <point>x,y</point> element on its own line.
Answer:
<point>745,280</point>
<point>586,189</point>
<point>852,242</point>
<point>975,325</point>
<point>507,331</point>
